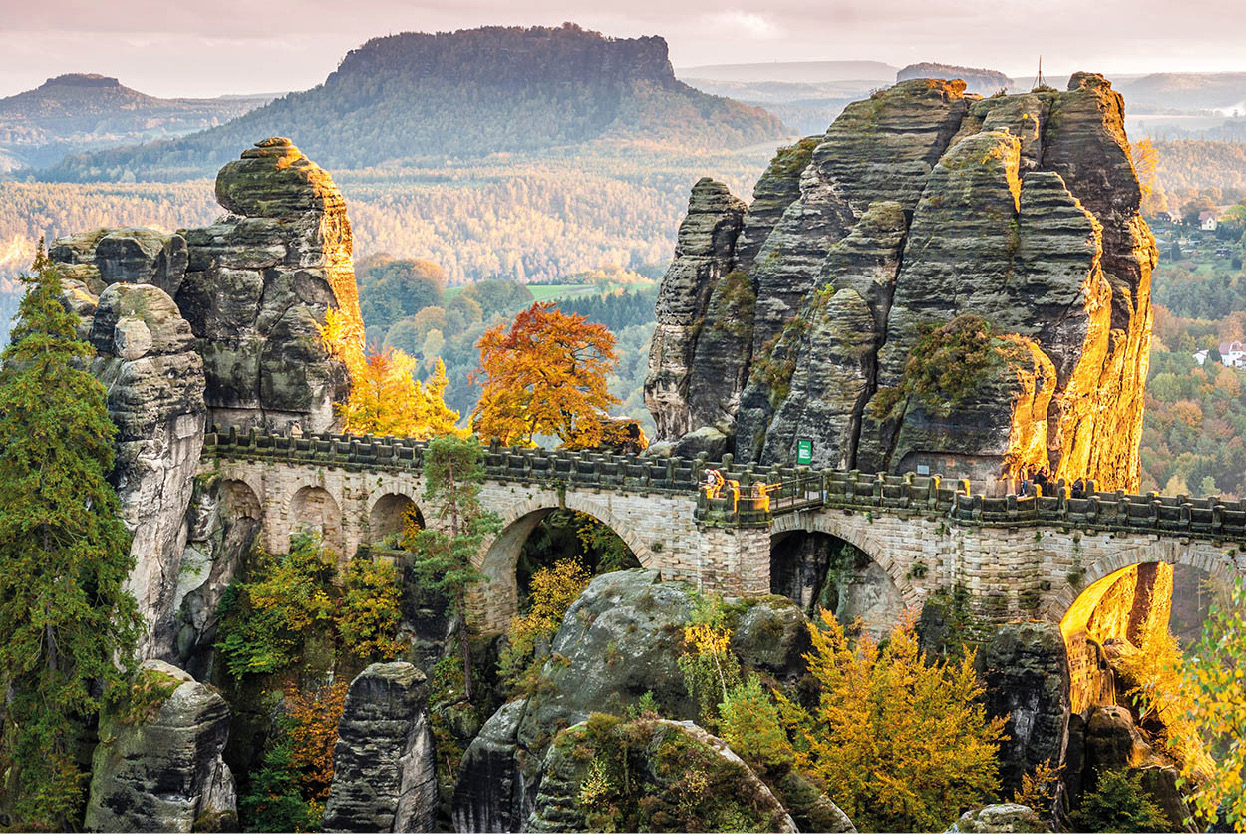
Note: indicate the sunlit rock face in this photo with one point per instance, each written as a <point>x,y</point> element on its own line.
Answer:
<point>918,206</point>
<point>259,284</point>
<point>1119,614</point>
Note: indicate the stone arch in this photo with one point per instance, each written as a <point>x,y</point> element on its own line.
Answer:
<point>239,500</point>
<point>854,530</point>
<point>313,508</point>
<point>388,516</point>
<point>1193,553</point>
<point>803,564</point>
<point>498,599</point>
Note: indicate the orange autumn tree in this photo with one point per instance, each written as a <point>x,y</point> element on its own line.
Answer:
<point>385,397</point>
<point>546,374</point>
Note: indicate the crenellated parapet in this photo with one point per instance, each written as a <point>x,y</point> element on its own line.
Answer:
<point>793,488</point>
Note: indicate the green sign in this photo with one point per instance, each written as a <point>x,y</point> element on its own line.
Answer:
<point>804,452</point>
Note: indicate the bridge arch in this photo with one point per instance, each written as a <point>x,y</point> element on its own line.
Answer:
<point>498,557</point>
<point>240,500</point>
<point>388,515</point>
<point>313,508</point>
<point>1190,553</point>
<point>889,588</point>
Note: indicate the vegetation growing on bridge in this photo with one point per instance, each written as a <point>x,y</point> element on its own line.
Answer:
<point>442,559</point>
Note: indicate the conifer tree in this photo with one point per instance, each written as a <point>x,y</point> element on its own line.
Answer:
<point>443,558</point>
<point>70,628</point>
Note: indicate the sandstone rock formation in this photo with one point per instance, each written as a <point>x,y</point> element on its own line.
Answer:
<point>258,285</point>
<point>619,640</point>
<point>155,387</point>
<point>919,206</point>
<point>222,325</point>
<point>164,772</point>
<point>384,774</point>
<point>1025,672</point>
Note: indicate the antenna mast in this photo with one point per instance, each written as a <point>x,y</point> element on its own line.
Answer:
<point>1040,81</point>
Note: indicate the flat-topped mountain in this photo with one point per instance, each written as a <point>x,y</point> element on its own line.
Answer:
<point>977,80</point>
<point>78,112</point>
<point>422,98</point>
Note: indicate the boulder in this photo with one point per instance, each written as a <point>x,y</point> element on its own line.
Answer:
<point>384,772</point>
<point>154,381</point>
<point>1000,818</point>
<point>161,770</point>
<point>681,777</point>
<point>773,635</point>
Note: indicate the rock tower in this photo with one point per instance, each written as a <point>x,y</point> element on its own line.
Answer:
<point>1015,218</point>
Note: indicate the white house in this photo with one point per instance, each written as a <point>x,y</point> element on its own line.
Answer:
<point>1200,357</point>
<point>1233,354</point>
<point>1207,221</point>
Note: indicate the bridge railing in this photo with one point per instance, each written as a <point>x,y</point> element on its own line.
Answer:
<point>792,489</point>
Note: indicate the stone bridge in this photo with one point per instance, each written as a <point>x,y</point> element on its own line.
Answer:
<point>1016,557</point>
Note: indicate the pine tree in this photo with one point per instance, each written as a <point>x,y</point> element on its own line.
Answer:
<point>70,628</point>
<point>443,558</point>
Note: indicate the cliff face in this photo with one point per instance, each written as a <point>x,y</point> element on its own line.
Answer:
<point>1013,219</point>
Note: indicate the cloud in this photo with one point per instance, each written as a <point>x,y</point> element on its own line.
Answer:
<point>749,24</point>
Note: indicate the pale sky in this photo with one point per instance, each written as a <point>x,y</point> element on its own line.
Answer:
<point>212,47</point>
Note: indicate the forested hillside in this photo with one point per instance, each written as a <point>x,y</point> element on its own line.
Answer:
<point>532,220</point>
<point>420,99</point>
<point>79,112</point>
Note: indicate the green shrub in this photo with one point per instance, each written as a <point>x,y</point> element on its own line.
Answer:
<point>265,620</point>
<point>1118,803</point>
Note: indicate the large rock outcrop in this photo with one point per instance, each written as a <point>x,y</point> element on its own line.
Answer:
<point>920,206</point>
<point>154,380</point>
<point>223,325</point>
<point>259,284</point>
<point>162,771</point>
<point>384,774</point>
<point>618,641</point>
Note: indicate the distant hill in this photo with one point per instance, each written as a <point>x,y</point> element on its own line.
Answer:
<point>794,72</point>
<point>981,81</point>
<point>1187,91</point>
<point>421,99</point>
<point>78,112</point>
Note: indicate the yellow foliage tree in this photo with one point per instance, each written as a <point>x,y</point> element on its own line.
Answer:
<point>1214,692</point>
<point>385,397</point>
<point>313,732</point>
<point>711,670</point>
<point>552,591</point>
<point>899,744</point>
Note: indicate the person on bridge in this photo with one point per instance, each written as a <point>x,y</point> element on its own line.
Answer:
<point>714,482</point>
